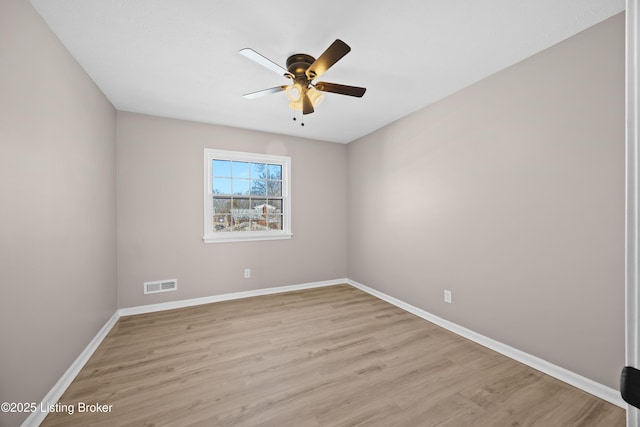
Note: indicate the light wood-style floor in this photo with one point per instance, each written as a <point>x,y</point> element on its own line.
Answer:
<point>332,356</point>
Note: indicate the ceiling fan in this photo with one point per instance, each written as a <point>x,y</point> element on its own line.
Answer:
<point>302,70</point>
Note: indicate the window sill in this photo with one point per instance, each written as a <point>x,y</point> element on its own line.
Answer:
<point>245,237</point>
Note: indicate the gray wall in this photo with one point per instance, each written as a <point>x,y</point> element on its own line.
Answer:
<point>58,217</point>
<point>510,193</point>
<point>160,212</point>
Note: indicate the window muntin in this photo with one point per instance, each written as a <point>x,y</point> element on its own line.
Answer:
<point>246,196</point>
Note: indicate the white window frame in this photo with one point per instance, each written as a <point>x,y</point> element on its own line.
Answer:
<point>210,236</point>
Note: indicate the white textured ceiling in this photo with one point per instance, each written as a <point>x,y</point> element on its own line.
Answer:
<point>179,58</point>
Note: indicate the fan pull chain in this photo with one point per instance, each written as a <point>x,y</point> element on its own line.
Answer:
<point>294,118</point>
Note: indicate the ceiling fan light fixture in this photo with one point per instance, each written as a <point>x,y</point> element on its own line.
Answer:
<point>294,93</point>
<point>315,96</point>
<point>296,105</point>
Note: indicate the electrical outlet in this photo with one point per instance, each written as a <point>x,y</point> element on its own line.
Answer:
<point>247,273</point>
<point>447,296</point>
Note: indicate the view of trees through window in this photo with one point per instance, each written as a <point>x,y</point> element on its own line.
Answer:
<point>246,196</point>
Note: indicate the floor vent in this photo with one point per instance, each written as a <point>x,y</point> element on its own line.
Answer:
<point>160,286</point>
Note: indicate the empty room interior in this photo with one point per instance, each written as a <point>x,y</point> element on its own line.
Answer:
<point>419,221</point>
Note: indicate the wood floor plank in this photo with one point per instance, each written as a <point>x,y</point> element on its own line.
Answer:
<point>332,356</point>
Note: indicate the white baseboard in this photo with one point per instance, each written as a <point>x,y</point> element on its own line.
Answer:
<point>54,395</point>
<point>599,390</point>
<point>225,297</point>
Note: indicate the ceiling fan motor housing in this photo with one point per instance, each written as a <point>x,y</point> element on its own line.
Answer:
<point>298,64</point>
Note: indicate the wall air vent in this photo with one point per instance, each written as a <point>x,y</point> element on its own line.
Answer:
<point>160,286</point>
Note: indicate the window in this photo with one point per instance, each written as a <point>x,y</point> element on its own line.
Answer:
<point>246,196</point>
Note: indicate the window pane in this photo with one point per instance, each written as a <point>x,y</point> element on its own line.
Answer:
<point>257,204</point>
<point>240,169</point>
<point>240,186</point>
<point>221,186</point>
<point>259,188</point>
<point>258,171</point>
<point>221,205</point>
<point>241,223</point>
<point>275,172</point>
<point>259,225</point>
<point>241,203</point>
<point>221,168</point>
<point>274,188</point>
<point>221,223</point>
<point>275,222</point>
<point>277,204</point>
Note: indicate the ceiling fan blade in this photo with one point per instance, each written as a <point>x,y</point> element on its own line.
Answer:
<point>307,105</point>
<point>265,62</point>
<point>341,89</point>
<point>263,92</point>
<point>337,50</point>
